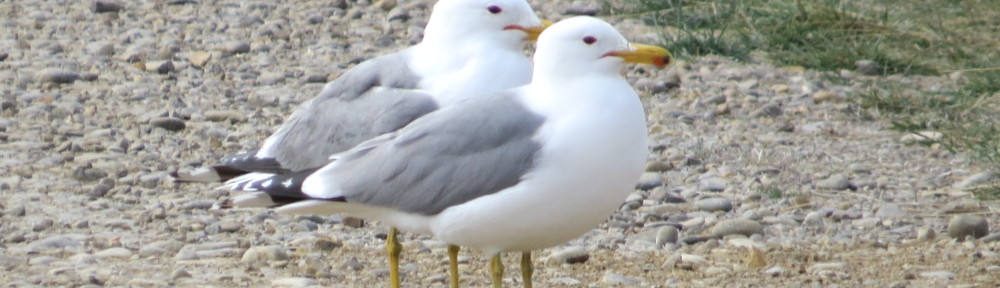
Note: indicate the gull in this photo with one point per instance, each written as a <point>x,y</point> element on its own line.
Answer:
<point>517,171</point>
<point>470,48</point>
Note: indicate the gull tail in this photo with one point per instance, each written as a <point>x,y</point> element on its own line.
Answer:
<point>268,189</point>
<point>233,166</point>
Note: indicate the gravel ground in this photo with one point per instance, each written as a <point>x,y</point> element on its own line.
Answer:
<point>760,176</point>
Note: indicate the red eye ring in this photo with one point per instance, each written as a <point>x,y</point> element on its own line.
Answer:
<point>494,9</point>
<point>589,40</point>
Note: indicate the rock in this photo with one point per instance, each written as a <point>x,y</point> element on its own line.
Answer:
<point>768,111</point>
<point>815,219</point>
<point>58,76</point>
<point>234,47</point>
<point>117,252</point>
<point>89,76</point>
<point>399,13</point>
<point>990,238</point>
<point>219,116</point>
<point>714,204</point>
<point>736,226</point>
<point>199,58</point>
<point>827,266</point>
<point>975,179</point>
<point>926,234</point>
<point>622,280</point>
<point>570,255</point>
<point>88,174</point>
<point>169,123</point>
<point>921,137</point>
<point>834,182</point>
<point>938,274</point>
<point>649,180</point>
<point>825,96</point>
<point>262,254</point>
<point>55,242</point>
<point>965,225</point>
<point>41,225</point>
<point>890,211</point>
<point>712,184</point>
<point>565,281</point>
<point>161,67</point>
<point>107,6</point>
<point>179,273</point>
<point>866,67</point>
<point>293,282</point>
<point>774,271</point>
<point>666,235</point>
<point>589,8</point>
<point>386,5</point>
<point>16,211</point>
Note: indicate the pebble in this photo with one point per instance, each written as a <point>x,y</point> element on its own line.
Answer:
<point>570,255</point>
<point>649,180</point>
<point>58,76</point>
<point>260,254</point>
<point>712,184</point>
<point>565,281</point>
<point>938,274</point>
<point>736,226</point>
<point>107,6</point>
<point>622,280</point>
<point>55,242</point>
<point>965,225</point>
<point>294,282</point>
<point>169,123</point>
<point>866,67</point>
<point>589,8</point>
<point>179,273</point>
<point>991,238</point>
<point>890,211</point>
<point>666,235</point>
<point>199,58</point>
<point>975,179</point>
<point>768,111</point>
<point>774,271</point>
<point>827,266</point>
<point>161,67</point>
<point>219,116</point>
<point>714,204</point>
<point>834,182</point>
<point>116,252</point>
<point>234,47</point>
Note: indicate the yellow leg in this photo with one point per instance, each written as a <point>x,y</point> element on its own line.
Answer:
<point>393,248</point>
<point>453,260</point>
<point>527,270</point>
<point>496,271</point>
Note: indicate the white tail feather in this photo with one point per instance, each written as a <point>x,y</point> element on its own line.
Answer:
<point>258,199</point>
<point>242,182</point>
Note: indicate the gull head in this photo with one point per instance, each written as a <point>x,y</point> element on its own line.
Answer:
<point>505,22</point>
<point>584,44</point>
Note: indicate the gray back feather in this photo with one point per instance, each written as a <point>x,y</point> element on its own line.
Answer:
<point>349,111</point>
<point>446,158</point>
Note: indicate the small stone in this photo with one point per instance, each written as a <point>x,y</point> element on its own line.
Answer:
<point>774,271</point>
<point>666,235</point>
<point>827,266</point>
<point>316,78</point>
<point>219,116</point>
<point>88,174</point>
<point>107,6</point>
<point>234,47</point>
<point>990,238</point>
<point>938,274</point>
<point>169,123</point>
<point>589,8</point>
<point>768,111</point>
<point>570,255</point>
<point>921,137</point>
<point>890,211</point>
<point>815,219</point>
<point>293,282</point>
<point>659,166</point>
<point>825,96</point>
<point>866,67</point>
<point>714,204</point>
<point>926,234</point>
<point>161,67</point>
<point>353,222</point>
<point>399,13</point>
<point>565,281</point>
<point>622,280</point>
<point>965,225</point>
<point>649,180</point>
<point>42,225</point>
<point>736,226</point>
<point>99,190</point>
<point>16,211</point>
<point>179,273</point>
<point>976,179</point>
<point>55,242</point>
<point>199,58</point>
<point>116,252</point>
<point>834,182</point>
<point>713,184</point>
<point>58,76</point>
<point>89,76</point>
<point>262,254</point>
<point>386,5</point>
<point>868,223</point>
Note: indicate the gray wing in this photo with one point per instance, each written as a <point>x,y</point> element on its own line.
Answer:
<point>376,97</point>
<point>445,158</point>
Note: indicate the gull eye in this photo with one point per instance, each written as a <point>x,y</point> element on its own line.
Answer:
<point>494,9</point>
<point>589,40</point>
